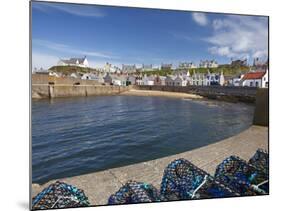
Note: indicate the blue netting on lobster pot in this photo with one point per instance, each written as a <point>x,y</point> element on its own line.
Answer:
<point>240,176</point>
<point>60,195</point>
<point>183,180</point>
<point>260,161</point>
<point>135,192</point>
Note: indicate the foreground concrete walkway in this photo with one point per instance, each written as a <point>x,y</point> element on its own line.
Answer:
<point>100,185</point>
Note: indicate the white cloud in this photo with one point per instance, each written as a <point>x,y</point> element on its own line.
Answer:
<point>73,9</point>
<point>70,50</point>
<point>200,18</point>
<point>243,36</point>
<point>43,60</point>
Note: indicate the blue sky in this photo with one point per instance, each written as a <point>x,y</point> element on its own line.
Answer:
<point>136,36</point>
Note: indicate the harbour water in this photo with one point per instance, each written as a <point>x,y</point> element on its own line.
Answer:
<point>74,136</point>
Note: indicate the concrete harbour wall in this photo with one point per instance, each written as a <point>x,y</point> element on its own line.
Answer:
<point>100,185</point>
<point>46,79</point>
<point>233,94</point>
<point>53,91</point>
<point>261,116</point>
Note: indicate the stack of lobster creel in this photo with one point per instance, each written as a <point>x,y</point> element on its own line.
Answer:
<point>181,180</point>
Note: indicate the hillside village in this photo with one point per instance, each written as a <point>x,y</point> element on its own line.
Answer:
<point>206,73</point>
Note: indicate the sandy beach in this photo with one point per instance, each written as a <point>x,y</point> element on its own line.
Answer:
<point>135,92</point>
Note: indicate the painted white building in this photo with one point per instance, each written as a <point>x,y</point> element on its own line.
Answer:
<point>74,75</point>
<point>186,65</point>
<point>139,80</point>
<point>79,62</point>
<point>255,79</point>
<point>198,79</point>
<point>159,80</point>
<point>53,73</point>
<point>148,80</point>
<point>180,81</point>
<point>208,64</point>
<point>128,68</point>
<point>147,67</point>
<point>169,81</point>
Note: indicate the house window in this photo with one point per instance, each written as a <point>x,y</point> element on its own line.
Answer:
<point>251,83</point>
<point>257,84</point>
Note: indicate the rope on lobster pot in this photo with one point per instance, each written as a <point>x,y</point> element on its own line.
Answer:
<point>60,195</point>
<point>184,180</point>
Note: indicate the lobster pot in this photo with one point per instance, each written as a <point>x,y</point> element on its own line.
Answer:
<point>260,161</point>
<point>60,195</point>
<point>240,176</point>
<point>183,180</point>
<point>135,192</point>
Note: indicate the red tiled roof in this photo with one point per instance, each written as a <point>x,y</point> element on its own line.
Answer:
<point>253,75</point>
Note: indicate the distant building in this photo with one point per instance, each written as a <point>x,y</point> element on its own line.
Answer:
<point>186,65</point>
<point>209,79</point>
<point>107,67</point>
<point>79,62</point>
<point>53,73</point>
<point>239,63</point>
<point>214,79</point>
<point>197,79</point>
<point>259,65</point>
<point>180,81</point>
<point>169,81</point>
<point>255,79</point>
<point>148,80</point>
<point>208,64</point>
<point>147,67</point>
<point>131,80</point>
<point>74,75</point>
<point>235,80</point>
<point>40,71</point>
<point>139,80</point>
<point>128,68</point>
<point>166,66</point>
<point>159,80</point>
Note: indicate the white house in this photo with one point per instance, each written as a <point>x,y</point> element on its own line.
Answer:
<point>255,79</point>
<point>74,75</point>
<point>147,67</point>
<point>119,80</point>
<point>53,73</point>
<point>139,80</point>
<point>169,81</point>
<point>129,68</point>
<point>149,81</point>
<point>198,79</point>
<point>79,62</point>
<point>186,65</point>
<point>180,81</point>
<point>214,79</point>
<point>208,64</point>
<point>159,80</point>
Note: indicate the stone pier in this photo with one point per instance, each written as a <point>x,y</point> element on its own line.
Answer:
<point>99,186</point>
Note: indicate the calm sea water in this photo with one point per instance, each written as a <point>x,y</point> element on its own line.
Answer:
<point>75,136</point>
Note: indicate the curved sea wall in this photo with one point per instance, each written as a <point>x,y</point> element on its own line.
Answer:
<point>53,91</point>
<point>100,185</point>
<point>227,93</point>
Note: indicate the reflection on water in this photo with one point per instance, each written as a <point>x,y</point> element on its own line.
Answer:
<point>74,136</point>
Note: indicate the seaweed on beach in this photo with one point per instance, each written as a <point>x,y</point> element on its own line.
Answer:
<point>60,195</point>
